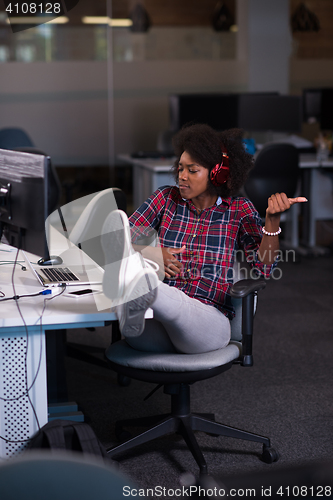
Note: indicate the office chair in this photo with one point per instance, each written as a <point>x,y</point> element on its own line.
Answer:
<point>14,137</point>
<point>36,475</point>
<point>275,170</point>
<point>176,372</point>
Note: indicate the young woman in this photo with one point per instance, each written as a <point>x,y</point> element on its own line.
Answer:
<point>201,223</point>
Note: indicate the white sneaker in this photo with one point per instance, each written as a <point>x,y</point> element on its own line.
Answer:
<point>122,262</point>
<point>139,296</point>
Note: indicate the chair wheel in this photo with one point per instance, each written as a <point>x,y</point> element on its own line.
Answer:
<point>269,455</point>
<point>123,381</point>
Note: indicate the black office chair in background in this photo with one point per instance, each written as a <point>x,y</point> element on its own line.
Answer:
<point>275,170</point>
<point>177,372</point>
<point>14,137</point>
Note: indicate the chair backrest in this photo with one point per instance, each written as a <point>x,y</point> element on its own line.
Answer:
<point>275,170</point>
<point>88,229</point>
<point>13,137</point>
<point>241,271</point>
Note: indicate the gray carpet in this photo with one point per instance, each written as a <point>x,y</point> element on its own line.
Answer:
<point>287,395</point>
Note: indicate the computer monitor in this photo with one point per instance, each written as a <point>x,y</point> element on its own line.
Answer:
<point>223,111</point>
<point>220,111</point>
<point>270,113</point>
<point>318,106</point>
<point>24,189</point>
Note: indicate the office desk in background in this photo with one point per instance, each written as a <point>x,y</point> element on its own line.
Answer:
<point>23,353</point>
<point>318,189</point>
<point>150,174</point>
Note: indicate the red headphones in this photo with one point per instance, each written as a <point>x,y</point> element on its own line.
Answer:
<point>220,173</point>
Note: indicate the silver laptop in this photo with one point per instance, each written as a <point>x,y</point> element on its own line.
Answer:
<point>76,269</point>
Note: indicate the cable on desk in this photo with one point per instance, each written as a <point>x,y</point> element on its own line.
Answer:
<point>18,263</point>
<point>27,392</point>
<point>16,297</point>
<point>6,262</point>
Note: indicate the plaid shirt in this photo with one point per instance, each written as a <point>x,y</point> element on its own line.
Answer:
<point>212,239</point>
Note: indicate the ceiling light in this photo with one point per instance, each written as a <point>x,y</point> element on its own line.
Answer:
<point>95,20</point>
<point>120,23</point>
<point>59,20</point>
<point>37,20</point>
<point>116,23</point>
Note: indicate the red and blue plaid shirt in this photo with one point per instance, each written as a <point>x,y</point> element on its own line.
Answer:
<point>212,239</point>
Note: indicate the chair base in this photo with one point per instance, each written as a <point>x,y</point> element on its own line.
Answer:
<point>182,421</point>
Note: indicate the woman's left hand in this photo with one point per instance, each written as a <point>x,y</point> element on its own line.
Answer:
<point>279,203</point>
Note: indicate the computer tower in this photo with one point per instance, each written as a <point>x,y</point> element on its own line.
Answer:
<point>23,392</point>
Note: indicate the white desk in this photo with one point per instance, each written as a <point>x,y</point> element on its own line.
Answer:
<point>318,189</point>
<point>22,349</point>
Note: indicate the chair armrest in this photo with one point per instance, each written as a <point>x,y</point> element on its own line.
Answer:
<point>246,290</point>
<point>242,288</point>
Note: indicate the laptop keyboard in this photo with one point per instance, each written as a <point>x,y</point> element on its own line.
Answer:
<point>59,274</point>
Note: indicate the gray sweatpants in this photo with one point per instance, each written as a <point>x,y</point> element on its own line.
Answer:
<point>182,324</point>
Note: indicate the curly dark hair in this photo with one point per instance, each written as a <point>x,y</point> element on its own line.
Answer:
<point>203,144</point>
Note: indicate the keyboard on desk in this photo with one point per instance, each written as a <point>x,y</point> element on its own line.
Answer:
<point>59,274</point>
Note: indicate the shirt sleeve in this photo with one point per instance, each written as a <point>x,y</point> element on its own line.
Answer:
<point>146,219</point>
<point>250,236</point>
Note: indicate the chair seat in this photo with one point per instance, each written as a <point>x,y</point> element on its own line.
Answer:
<point>121,353</point>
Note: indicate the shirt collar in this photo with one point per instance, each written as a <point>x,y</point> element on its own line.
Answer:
<point>219,202</point>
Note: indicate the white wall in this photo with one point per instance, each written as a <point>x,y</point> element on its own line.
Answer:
<point>64,105</point>
<point>265,41</point>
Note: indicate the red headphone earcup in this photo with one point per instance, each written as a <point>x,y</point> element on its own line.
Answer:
<point>219,175</point>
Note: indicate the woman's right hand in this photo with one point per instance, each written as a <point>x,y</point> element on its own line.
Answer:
<point>172,266</point>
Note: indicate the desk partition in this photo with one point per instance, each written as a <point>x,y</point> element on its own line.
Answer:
<point>22,354</point>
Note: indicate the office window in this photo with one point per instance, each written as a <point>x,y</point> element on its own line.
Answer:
<point>88,43</point>
<point>172,43</point>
